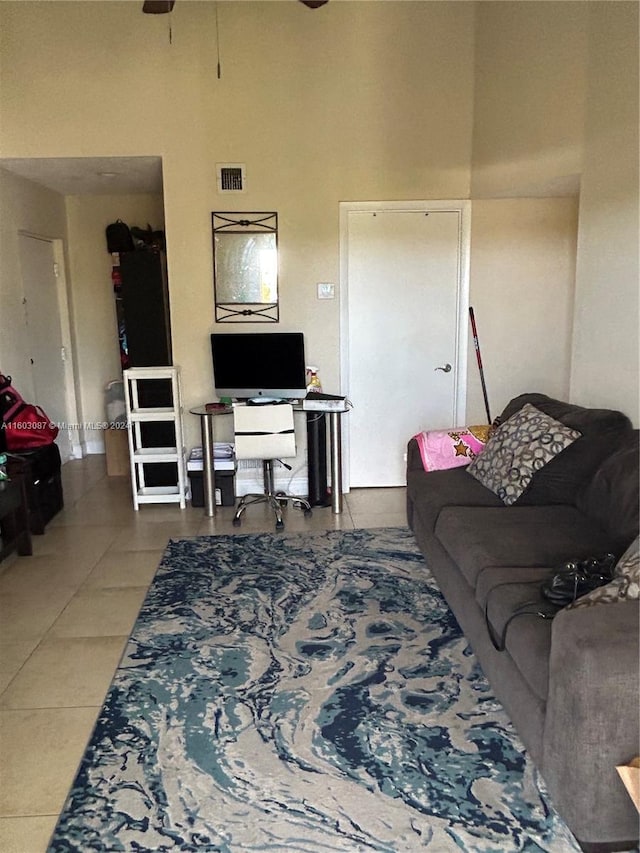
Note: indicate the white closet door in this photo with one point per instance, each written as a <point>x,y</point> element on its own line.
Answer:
<point>44,335</point>
<point>405,283</point>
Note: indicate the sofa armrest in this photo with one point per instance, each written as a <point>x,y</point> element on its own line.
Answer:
<point>414,459</point>
<point>591,723</point>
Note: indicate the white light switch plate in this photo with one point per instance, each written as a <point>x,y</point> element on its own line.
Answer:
<point>326,290</point>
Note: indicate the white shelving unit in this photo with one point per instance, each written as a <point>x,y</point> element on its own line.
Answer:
<point>141,455</point>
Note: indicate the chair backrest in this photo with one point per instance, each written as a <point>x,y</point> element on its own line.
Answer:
<point>264,431</point>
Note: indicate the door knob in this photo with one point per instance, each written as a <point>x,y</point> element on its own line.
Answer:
<point>445,369</point>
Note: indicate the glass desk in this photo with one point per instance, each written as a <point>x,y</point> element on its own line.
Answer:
<point>207,430</point>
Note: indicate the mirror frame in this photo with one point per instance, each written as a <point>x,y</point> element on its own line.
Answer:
<point>235,310</point>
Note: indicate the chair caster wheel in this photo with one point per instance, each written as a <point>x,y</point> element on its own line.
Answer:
<point>279,525</point>
<point>236,522</point>
<point>307,513</point>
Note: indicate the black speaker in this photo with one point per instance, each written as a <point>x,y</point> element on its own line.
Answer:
<point>317,459</point>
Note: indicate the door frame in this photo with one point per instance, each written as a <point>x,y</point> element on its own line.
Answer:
<point>70,398</point>
<point>463,208</point>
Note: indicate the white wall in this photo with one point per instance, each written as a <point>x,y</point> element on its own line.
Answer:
<point>24,206</point>
<point>605,347</point>
<point>522,290</point>
<point>322,106</point>
<point>353,101</point>
<point>527,157</point>
<point>556,111</point>
<point>529,98</point>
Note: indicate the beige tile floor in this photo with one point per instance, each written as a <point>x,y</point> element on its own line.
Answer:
<point>66,613</point>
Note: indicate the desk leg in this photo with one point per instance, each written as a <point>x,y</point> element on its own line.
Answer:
<point>208,483</point>
<point>335,441</point>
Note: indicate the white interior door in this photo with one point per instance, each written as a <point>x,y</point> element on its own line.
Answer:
<point>406,279</point>
<point>47,350</point>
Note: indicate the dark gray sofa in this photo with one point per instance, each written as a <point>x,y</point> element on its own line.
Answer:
<point>570,685</point>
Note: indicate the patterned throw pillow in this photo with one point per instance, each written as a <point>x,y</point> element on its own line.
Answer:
<point>519,447</point>
<point>624,586</point>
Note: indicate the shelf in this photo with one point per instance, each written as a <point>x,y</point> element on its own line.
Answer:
<point>152,415</point>
<point>151,372</point>
<point>144,455</point>
<point>159,495</point>
<point>141,455</point>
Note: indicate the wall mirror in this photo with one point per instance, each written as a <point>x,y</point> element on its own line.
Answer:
<point>245,267</point>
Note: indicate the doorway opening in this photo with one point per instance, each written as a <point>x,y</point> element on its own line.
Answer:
<point>94,191</point>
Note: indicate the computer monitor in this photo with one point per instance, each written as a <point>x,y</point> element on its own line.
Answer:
<point>268,365</point>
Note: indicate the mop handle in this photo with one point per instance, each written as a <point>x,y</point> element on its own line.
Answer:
<point>476,344</point>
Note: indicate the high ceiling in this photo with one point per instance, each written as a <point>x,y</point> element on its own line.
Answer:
<point>90,175</point>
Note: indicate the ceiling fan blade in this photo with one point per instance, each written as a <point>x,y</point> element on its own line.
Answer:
<point>157,7</point>
<point>314,4</point>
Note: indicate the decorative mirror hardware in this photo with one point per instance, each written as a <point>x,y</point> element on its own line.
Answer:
<point>245,267</point>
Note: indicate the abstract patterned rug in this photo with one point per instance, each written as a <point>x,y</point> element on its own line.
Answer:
<point>303,692</point>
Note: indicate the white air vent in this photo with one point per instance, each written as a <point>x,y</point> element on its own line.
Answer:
<point>231,177</point>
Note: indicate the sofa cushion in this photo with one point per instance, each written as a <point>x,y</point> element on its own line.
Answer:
<point>492,576</point>
<point>429,492</point>
<point>520,447</point>
<point>513,608</point>
<point>476,537</point>
<point>624,586</point>
<point>612,497</point>
<point>566,476</point>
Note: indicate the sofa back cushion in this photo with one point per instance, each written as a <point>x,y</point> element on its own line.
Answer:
<point>612,497</point>
<point>568,474</point>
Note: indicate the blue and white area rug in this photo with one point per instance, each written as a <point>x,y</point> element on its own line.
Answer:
<point>294,692</point>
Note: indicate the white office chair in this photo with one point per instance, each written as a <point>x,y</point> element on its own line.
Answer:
<point>266,432</point>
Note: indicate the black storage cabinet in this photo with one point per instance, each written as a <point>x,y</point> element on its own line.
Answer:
<point>144,296</point>
<point>145,308</point>
<point>224,481</point>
